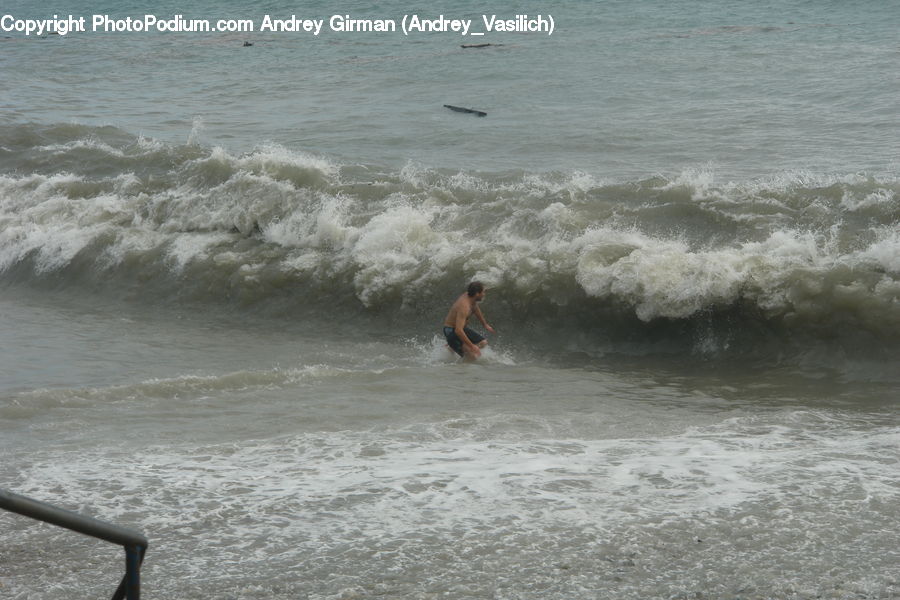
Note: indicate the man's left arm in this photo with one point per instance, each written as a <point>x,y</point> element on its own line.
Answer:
<point>483,322</point>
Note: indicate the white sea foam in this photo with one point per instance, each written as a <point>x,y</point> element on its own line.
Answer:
<point>197,127</point>
<point>84,144</point>
<point>699,181</point>
<point>273,158</point>
<point>250,223</point>
<point>437,352</point>
<point>396,248</point>
<point>881,197</point>
<point>196,246</point>
<point>361,487</point>
<point>883,252</point>
<point>669,278</point>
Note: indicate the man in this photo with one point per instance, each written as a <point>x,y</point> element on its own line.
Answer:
<point>460,338</point>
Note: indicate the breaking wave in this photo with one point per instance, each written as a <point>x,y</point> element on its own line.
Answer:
<point>796,255</point>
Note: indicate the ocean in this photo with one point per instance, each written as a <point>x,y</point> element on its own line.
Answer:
<point>226,257</point>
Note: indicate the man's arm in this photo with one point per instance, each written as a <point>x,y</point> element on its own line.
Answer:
<point>483,322</point>
<point>459,328</point>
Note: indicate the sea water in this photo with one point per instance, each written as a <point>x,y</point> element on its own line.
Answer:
<point>224,268</point>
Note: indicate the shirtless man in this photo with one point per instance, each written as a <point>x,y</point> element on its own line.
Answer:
<point>460,338</point>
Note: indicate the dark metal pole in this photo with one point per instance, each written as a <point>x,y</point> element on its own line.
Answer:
<point>130,586</point>
<point>135,543</point>
<point>70,520</point>
<point>133,557</point>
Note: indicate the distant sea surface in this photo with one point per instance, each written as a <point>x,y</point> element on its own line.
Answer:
<point>225,259</point>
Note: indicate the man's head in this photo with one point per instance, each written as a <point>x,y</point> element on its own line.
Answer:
<point>475,290</point>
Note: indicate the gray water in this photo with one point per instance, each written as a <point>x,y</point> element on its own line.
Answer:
<point>223,270</point>
<point>617,90</point>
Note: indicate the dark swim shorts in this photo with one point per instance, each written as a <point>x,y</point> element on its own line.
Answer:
<point>457,344</point>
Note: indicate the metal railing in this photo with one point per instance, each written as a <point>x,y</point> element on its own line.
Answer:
<point>135,543</point>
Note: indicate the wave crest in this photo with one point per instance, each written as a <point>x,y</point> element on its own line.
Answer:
<point>98,207</point>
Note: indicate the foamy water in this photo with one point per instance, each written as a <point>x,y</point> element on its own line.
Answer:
<point>212,224</point>
<point>466,480</point>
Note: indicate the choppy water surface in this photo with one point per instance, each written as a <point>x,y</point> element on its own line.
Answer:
<point>223,270</point>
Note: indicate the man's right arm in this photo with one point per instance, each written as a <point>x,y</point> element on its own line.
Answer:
<point>461,334</point>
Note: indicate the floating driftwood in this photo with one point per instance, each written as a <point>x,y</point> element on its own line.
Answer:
<point>486,45</point>
<point>472,111</point>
